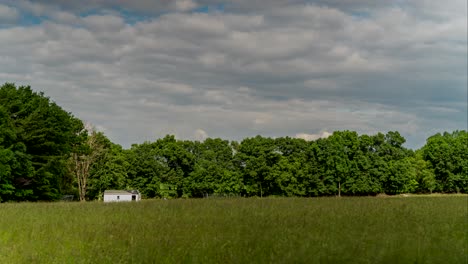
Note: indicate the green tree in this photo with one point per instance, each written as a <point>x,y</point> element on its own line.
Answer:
<point>390,163</point>
<point>145,169</point>
<point>337,157</point>
<point>424,174</point>
<point>177,157</point>
<point>15,164</point>
<point>214,171</point>
<point>109,170</point>
<point>165,162</point>
<point>255,159</point>
<point>447,154</point>
<point>43,136</point>
<point>291,175</point>
<point>365,180</point>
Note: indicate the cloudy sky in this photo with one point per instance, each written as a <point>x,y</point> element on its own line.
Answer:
<point>138,70</point>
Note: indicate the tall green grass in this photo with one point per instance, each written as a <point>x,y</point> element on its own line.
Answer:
<point>281,230</point>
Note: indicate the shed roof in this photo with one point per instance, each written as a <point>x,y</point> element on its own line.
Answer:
<point>120,192</point>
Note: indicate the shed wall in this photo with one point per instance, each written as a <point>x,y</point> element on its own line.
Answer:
<point>121,197</point>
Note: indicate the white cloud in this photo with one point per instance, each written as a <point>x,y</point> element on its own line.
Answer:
<point>65,17</point>
<point>176,88</point>
<point>311,137</point>
<point>185,5</point>
<point>200,135</point>
<point>212,59</point>
<point>8,14</point>
<point>285,70</point>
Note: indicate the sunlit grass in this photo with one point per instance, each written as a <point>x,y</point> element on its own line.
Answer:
<point>280,230</point>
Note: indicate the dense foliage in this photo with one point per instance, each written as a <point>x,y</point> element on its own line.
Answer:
<point>36,136</point>
<point>45,153</point>
<point>343,164</point>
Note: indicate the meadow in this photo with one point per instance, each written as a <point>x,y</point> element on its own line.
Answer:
<point>420,229</point>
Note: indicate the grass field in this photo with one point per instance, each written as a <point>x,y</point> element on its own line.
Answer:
<point>276,230</point>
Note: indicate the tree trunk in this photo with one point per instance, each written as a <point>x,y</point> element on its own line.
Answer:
<point>261,191</point>
<point>339,188</point>
<point>81,169</point>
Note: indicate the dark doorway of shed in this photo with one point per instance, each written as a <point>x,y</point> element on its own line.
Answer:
<point>133,197</point>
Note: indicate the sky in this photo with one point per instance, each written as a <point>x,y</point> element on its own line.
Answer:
<point>139,70</point>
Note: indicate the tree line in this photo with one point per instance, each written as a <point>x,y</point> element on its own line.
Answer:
<point>46,152</point>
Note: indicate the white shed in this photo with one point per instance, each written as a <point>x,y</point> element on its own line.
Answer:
<point>121,195</point>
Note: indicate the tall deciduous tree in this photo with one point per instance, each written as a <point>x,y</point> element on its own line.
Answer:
<point>256,158</point>
<point>447,154</point>
<point>214,171</point>
<point>109,170</point>
<point>40,134</point>
<point>84,156</point>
